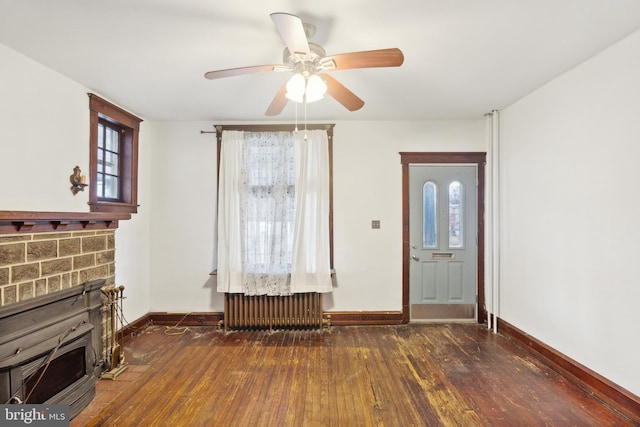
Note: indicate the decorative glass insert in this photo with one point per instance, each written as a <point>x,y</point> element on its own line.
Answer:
<point>455,215</point>
<point>108,162</point>
<point>429,215</point>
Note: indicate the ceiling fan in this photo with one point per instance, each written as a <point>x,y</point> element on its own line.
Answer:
<point>310,64</point>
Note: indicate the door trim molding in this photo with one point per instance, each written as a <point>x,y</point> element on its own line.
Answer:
<point>477,158</point>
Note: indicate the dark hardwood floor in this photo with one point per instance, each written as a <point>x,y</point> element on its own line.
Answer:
<point>409,375</point>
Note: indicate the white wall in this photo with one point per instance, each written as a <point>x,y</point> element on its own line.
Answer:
<point>183,220</point>
<point>569,174</point>
<point>133,250</point>
<point>44,133</point>
<point>367,182</point>
<point>367,185</point>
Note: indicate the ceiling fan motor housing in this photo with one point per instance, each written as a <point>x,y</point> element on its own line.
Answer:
<point>316,53</point>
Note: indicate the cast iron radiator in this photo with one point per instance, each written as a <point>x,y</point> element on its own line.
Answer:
<point>296,311</point>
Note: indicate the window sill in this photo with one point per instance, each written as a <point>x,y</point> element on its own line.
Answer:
<point>333,273</point>
<point>116,207</point>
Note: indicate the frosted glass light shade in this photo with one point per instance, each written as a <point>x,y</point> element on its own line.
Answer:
<point>314,87</point>
<point>295,88</point>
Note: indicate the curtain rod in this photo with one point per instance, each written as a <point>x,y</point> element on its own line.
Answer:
<point>274,127</point>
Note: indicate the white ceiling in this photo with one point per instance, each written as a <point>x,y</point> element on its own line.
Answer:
<point>463,58</point>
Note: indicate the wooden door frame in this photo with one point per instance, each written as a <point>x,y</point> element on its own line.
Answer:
<point>408,158</point>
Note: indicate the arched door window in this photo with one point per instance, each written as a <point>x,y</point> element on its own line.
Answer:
<point>429,215</point>
<point>456,221</point>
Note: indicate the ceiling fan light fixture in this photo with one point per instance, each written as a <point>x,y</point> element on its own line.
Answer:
<point>296,87</point>
<point>301,89</point>
<point>310,64</point>
<point>316,88</point>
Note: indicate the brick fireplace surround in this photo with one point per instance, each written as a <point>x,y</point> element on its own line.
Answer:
<point>45,252</point>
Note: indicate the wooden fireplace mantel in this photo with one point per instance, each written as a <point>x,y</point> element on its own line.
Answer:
<point>12,222</point>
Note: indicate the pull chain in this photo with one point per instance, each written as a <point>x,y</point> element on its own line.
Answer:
<point>296,108</point>
<point>305,116</point>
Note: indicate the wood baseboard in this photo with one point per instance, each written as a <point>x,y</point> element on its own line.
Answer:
<point>186,318</point>
<point>364,317</point>
<point>213,318</point>
<point>610,393</point>
<point>134,328</point>
<point>169,319</point>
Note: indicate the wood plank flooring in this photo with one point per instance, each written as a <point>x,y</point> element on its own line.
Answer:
<point>407,375</point>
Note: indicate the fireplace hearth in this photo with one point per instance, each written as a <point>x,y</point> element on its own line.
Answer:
<point>51,348</point>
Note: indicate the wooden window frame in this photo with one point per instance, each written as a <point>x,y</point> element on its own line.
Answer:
<point>100,109</point>
<point>289,128</point>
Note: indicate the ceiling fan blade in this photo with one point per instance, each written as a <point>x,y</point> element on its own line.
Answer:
<point>230,72</point>
<point>292,32</point>
<point>278,103</point>
<point>365,59</point>
<point>341,94</point>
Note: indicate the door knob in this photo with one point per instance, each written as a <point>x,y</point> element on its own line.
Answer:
<point>415,258</point>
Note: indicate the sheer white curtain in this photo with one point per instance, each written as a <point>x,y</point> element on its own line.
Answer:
<point>229,233</point>
<point>311,271</point>
<point>273,227</point>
